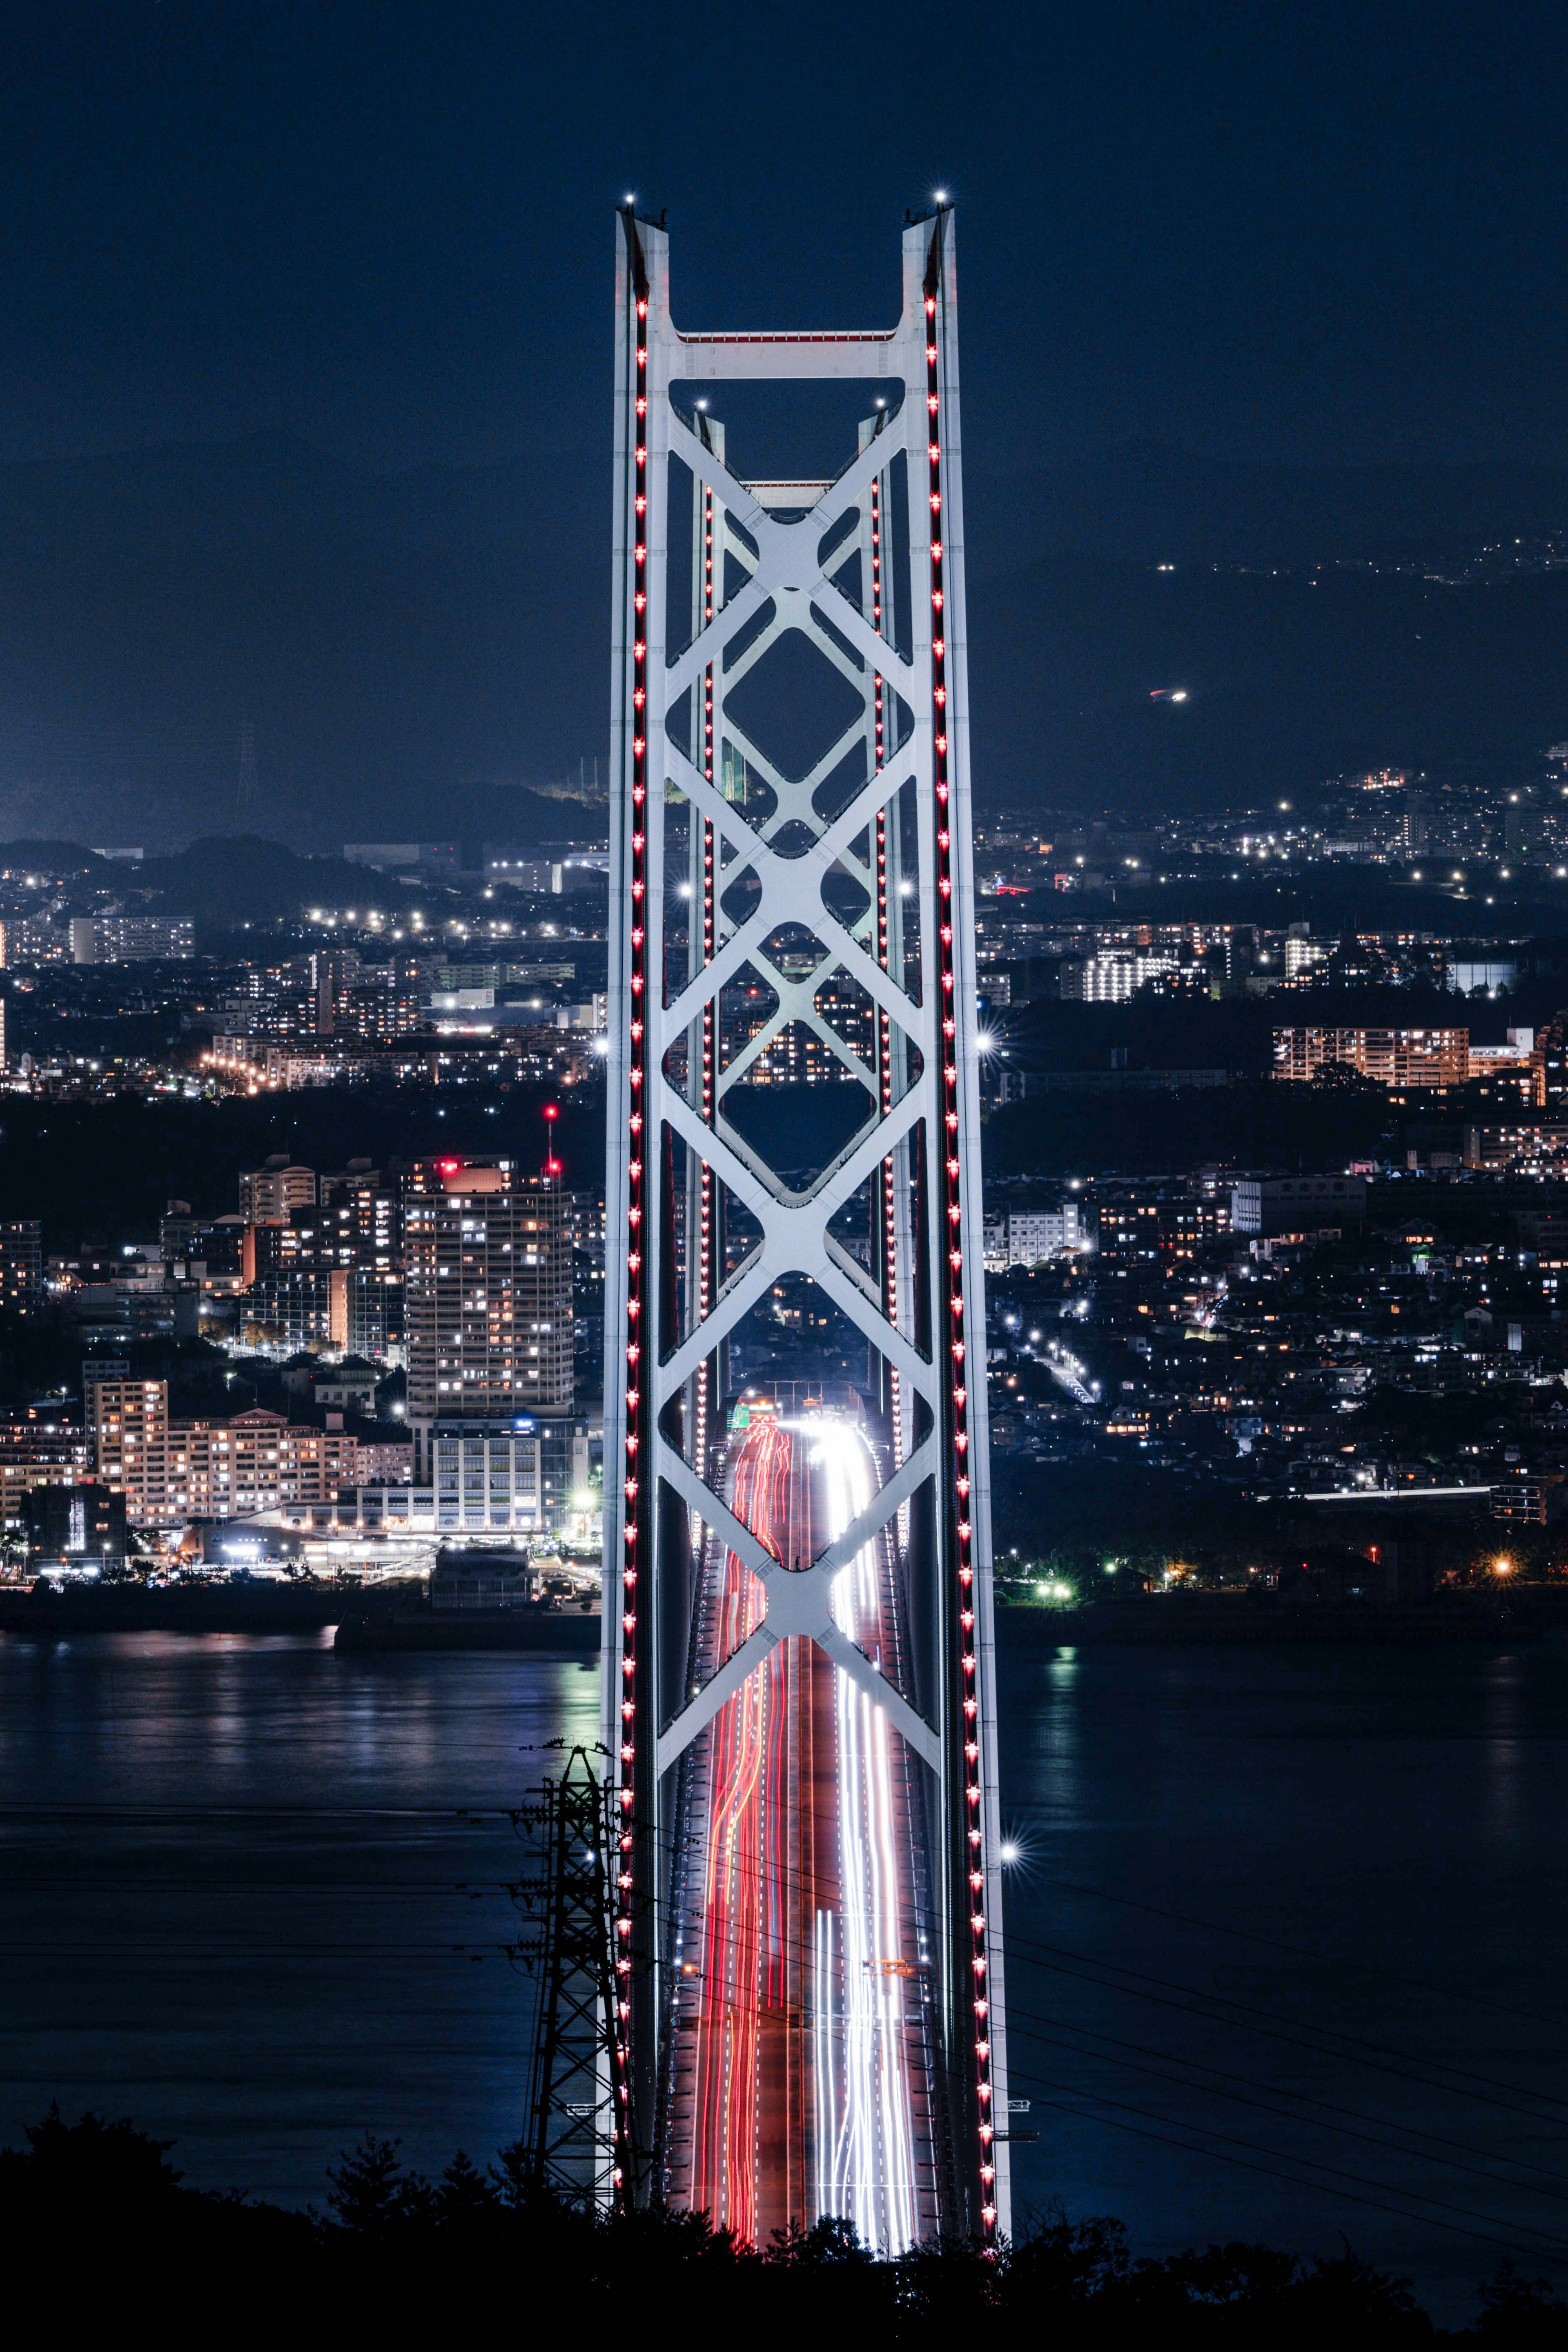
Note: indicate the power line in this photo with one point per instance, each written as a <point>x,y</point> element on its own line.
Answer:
<point>1273,2026</point>
<point>1245,2164</point>
<point>1305,1952</point>
<point>1245,2098</point>
<point>1017,2031</point>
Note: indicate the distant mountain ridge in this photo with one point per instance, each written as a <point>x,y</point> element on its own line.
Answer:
<point>1143,502</point>
<point>414,650</point>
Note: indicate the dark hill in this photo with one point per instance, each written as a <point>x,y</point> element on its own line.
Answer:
<point>415,649</point>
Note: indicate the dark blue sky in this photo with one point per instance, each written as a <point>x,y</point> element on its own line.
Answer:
<point>1201,245</point>
<point>1300,232</point>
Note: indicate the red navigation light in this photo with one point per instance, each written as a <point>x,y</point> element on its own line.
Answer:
<point>448,1167</point>
<point>553,1168</point>
<point>552,1110</point>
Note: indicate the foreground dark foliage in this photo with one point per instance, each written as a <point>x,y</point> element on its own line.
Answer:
<point>393,2244</point>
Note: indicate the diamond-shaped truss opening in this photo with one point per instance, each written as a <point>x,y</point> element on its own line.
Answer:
<point>853,1224</point>
<point>742,787</point>
<point>799,1347</point>
<point>842,781</point>
<point>741,538</point>
<point>848,1008</point>
<point>795,1109</point>
<point>683,575</point>
<point>749,632</point>
<point>898,720</point>
<point>741,896</point>
<point>840,544</point>
<point>875,1228</point>
<point>848,654</point>
<point>898,584</point>
<point>794,704</point>
<point>900,847</point>
<point>791,840</point>
<point>737,781</point>
<point>682,890</point>
<point>793,949</point>
<point>713,1234</point>
<point>847,899</point>
<point>845,1008</point>
<point>694,928</point>
<point>848,774</point>
<point>746,1004</point>
<point>680,725</point>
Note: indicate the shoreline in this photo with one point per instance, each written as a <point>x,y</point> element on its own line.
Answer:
<point>391,1621</point>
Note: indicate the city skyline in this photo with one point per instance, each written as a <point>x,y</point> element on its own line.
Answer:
<point>793,1445</point>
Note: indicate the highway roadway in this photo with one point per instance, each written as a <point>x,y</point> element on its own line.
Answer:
<point>802,2052</point>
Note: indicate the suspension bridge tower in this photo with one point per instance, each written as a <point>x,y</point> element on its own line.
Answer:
<point>799,1656</point>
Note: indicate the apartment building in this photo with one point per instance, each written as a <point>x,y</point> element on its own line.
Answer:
<point>270,1194</point>
<point>1026,1236</point>
<point>489,1298</point>
<point>216,1468</point>
<point>1389,1057</point>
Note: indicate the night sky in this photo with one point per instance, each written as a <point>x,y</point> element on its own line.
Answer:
<point>380,236</point>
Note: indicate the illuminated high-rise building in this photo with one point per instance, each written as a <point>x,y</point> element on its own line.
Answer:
<point>488,1299</point>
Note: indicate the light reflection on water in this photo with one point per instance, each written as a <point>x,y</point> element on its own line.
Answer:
<point>1396,1818</point>
<point>234,1872</point>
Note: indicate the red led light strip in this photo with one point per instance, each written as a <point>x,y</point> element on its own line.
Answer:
<point>952,1287</point>
<point>884,1026</point>
<point>705,1182</point>
<point>638,1326</point>
<point>708,1037</point>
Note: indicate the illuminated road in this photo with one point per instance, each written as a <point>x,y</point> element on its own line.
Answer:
<point>802,2074</point>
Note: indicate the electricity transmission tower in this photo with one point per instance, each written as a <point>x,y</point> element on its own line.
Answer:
<point>570,2131</point>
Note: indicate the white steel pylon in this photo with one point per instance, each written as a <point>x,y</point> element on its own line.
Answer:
<point>765,924</point>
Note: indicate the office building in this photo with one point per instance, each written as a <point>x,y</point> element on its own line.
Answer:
<point>33,939</point>
<point>1294,1204</point>
<point>517,1474</point>
<point>1111,977</point>
<point>1549,1062</point>
<point>81,1526</point>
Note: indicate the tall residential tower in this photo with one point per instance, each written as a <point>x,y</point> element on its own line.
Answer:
<point>489,1342</point>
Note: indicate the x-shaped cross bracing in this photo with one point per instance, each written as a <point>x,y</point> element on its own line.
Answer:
<point>799,1602</point>
<point>789,571</point>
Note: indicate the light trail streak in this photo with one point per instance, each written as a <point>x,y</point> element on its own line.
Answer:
<point>873,2162</point>
<point>809,2024</point>
<point>725,2148</point>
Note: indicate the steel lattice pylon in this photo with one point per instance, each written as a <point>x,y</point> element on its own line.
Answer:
<point>840,904</point>
<point>570,2137</point>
